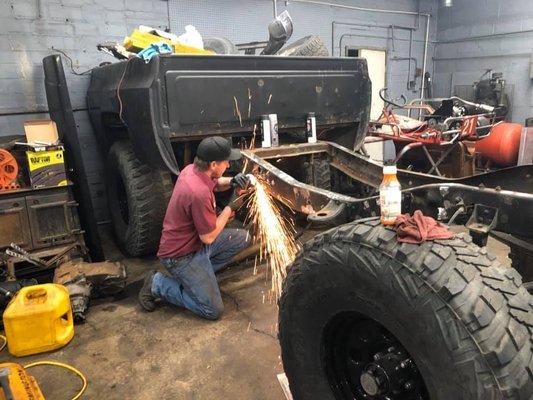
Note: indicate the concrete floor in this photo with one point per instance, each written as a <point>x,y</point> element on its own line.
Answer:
<point>126,353</point>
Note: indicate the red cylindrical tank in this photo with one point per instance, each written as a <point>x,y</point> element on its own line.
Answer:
<point>502,145</point>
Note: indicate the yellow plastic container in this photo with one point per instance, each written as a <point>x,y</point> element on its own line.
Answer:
<point>140,40</point>
<point>38,319</point>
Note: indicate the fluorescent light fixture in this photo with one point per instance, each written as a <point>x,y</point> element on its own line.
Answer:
<point>448,3</point>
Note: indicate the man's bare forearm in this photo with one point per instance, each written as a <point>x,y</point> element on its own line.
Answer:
<point>223,184</point>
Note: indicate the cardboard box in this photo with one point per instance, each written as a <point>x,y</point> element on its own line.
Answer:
<point>41,130</point>
<point>47,168</point>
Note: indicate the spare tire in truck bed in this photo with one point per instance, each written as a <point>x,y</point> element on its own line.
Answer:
<point>365,317</point>
<point>220,45</point>
<point>309,46</point>
<point>137,196</point>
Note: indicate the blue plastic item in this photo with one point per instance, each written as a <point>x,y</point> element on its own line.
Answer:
<point>155,48</point>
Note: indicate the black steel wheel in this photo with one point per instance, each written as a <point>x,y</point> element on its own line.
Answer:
<point>363,360</point>
<point>362,316</point>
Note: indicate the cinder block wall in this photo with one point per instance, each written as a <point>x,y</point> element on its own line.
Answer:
<point>33,29</point>
<point>476,35</point>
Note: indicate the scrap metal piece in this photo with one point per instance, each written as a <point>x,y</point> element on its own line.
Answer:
<point>330,214</point>
<point>79,291</point>
<point>107,278</point>
<point>481,222</point>
<point>89,280</point>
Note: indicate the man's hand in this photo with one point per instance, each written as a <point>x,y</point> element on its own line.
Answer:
<point>240,180</point>
<point>236,200</point>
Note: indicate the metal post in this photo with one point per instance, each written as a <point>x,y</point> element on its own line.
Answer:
<point>424,64</point>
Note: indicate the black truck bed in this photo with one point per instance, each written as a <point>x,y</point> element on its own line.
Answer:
<point>182,98</point>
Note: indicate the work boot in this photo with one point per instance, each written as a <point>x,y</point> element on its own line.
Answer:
<point>146,298</point>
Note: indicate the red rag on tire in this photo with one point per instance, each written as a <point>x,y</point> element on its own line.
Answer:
<point>419,228</point>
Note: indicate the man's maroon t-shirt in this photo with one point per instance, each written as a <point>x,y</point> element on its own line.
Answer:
<point>190,213</point>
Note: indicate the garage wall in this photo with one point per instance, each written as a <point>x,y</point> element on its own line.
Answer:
<point>475,35</point>
<point>33,29</point>
<point>243,21</point>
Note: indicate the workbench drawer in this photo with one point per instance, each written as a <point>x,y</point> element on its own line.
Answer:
<point>53,219</point>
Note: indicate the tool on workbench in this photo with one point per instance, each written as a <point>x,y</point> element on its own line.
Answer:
<point>20,253</point>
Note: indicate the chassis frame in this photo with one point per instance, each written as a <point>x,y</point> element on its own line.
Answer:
<point>499,202</point>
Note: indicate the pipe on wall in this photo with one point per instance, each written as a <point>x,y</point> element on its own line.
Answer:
<point>344,35</point>
<point>407,28</point>
<point>424,64</point>
<point>482,37</point>
<point>481,56</point>
<point>384,11</point>
<point>408,70</point>
<point>358,24</point>
<point>379,10</point>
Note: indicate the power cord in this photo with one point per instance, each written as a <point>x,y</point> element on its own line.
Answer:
<point>67,367</point>
<point>119,85</point>
<point>71,63</point>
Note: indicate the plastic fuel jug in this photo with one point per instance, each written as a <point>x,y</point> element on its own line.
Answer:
<point>38,319</point>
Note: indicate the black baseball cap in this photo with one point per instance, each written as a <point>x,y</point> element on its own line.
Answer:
<point>216,148</point>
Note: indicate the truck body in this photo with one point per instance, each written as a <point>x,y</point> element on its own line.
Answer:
<point>186,98</point>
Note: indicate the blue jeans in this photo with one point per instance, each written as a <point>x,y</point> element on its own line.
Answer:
<point>192,283</point>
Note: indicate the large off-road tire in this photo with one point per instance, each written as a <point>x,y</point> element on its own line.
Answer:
<point>309,46</point>
<point>441,319</point>
<point>522,261</point>
<point>137,196</point>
